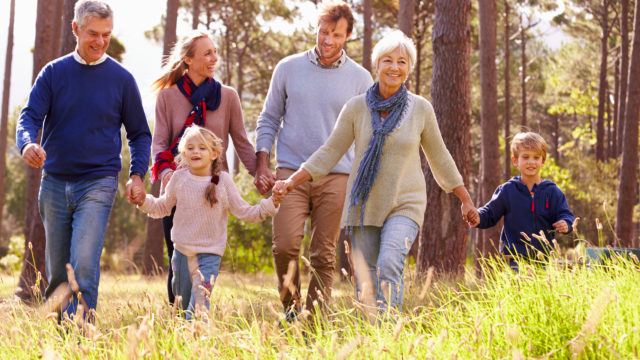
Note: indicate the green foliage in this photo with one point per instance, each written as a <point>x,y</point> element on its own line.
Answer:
<point>12,262</point>
<point>116,48</point>
<point>590,186</point>
<point>15,182</point>
<point>571,76</point>
<point>248,244</point>
<point>127,225</point>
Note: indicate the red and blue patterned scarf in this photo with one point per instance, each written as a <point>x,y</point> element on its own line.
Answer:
<point>205,97</point>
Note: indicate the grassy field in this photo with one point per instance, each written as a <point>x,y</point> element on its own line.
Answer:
<point>543,312</point>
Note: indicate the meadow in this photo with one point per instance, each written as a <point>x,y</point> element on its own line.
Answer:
<point>548,312</point>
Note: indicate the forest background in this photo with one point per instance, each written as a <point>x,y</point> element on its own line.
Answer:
<point>561,68</point>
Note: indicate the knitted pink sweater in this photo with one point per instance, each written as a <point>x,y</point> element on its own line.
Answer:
<point>197,226</point>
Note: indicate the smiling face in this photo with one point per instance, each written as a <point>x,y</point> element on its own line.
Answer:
<point>93,37</point>
<point>198,156</point>
<point>529,163</point>
<point>392,70</point>
<point>203,62</point>
<point>330,40</point>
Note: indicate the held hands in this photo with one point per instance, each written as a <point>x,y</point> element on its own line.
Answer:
<point>34,155</point>
<point>264,178</point>
<point>470,214</point>
<point>135,190</point>
<point>264,183</point>
<point>561,226</point>
<point>282,188</point>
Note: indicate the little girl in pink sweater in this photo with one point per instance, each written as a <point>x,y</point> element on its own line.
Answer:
<point>203,196</point>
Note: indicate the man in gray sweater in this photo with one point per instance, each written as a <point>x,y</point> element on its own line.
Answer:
<point>306,95</point>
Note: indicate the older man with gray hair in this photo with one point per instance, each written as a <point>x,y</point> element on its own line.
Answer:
<point>80,101</point>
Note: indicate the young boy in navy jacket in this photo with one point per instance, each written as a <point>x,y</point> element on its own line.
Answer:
<point>528,203</point>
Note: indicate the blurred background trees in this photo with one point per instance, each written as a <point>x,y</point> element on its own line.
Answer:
<point>563,69</point>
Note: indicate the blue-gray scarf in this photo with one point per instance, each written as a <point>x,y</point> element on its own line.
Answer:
<point>370,164</point>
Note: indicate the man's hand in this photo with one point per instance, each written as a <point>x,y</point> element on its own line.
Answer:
<point>264,179</point>
<point>135,190</point>
<point>34,155</point>
<point>561,226</point>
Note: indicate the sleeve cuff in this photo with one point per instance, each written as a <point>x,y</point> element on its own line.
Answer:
<point>269,206</point>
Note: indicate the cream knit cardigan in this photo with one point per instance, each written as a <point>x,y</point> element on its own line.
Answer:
<point>399,188</point>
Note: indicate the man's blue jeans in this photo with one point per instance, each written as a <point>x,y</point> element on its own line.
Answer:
<point>186,280</point>
<point>75,215</point>
<point>379,255</point>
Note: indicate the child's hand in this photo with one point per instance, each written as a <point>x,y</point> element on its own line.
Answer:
<point>473,218</point>
<point>139,195</point>
<point>470,214</point>
<point>561,226</point>
<point>276,200</point>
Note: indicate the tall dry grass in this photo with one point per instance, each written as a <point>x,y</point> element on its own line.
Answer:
<point>544,311</point>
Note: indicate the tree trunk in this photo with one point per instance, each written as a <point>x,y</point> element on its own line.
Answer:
<point>523,73</point>
<point>556,138</point>
<point>444,240</point>
<point>624,71</point>
<point>490,154</point>
<point>33,260</point>
<point>153,259</point>
<point>507,93</point>
<point>405,23</point>
<point>67,40</point>
<point>367,37</point>
<point>195,13</point>
<point>171,21</point>
<point>608,153</point>
<point>4,117</point>
<point>57,28</point>
<point>616,102</point>
<point>424,11</point>
<point>600,139</point>
<point>405,17</point>
<point>628,190</point>
<point>154,244</point>
<point>227,63</point>
<point>418,77</point>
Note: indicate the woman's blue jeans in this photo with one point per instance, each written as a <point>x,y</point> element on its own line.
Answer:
<point>378,255</point>
<point>187,281</point>
<point>75,215</point>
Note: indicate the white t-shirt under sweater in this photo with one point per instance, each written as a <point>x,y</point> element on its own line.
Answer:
<point>198,227</point>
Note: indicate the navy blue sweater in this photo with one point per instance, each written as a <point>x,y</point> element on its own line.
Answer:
<point>81,109</point>
<point>524,212</point>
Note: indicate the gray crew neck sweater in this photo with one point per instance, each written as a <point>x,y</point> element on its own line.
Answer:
<point>302,105</point>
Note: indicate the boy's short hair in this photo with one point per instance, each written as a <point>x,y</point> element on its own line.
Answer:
<point>333,10</point>
<point>529,141</point>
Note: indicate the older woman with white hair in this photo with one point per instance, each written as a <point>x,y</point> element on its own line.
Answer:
<point>387,192</point>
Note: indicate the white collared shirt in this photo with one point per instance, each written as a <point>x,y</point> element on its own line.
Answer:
<point>314,57</point>
<point>79,59</point>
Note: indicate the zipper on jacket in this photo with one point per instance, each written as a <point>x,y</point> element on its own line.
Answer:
<point>533,203</point>
<point>533,211</point>
<point>546,203</point>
